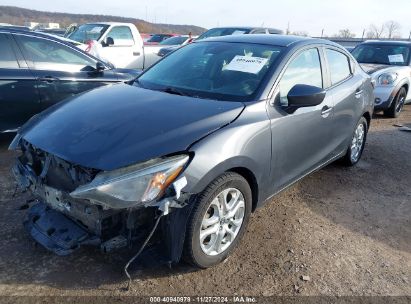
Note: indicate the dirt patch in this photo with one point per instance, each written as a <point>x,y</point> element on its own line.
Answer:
<point>340,231</point>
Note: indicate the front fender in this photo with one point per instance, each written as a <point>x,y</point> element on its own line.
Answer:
<point>245,143</point>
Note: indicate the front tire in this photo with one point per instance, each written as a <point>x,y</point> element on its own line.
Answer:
<point>398,103</point>
<point>218,220</point>
<point>357,143</point>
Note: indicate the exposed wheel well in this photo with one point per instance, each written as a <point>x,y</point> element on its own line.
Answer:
<point>405,86</point>
<point>367,116</point>
<point>252,181</point>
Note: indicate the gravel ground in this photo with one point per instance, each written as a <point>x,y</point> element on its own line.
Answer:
<point>346,231</point>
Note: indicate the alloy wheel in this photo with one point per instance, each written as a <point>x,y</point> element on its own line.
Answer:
<point>222,221</point>
<point>357,142</point>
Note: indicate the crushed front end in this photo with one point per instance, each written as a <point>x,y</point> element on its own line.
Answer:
<point>75,205</point>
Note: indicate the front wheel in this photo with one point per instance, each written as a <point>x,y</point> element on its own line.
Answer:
<point>398,103</point>
<point>218,220</point>
<point>357,143</point>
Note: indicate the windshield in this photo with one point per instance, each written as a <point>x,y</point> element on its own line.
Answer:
<point>213,70</point>
<point>382,54</point>
<point>87,32</point>
<point>217,32</point>
<point>174,41</point>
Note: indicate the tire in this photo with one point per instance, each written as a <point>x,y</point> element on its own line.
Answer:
<point>204,252</point>
<point>351,158</point>
<point>396,106</point>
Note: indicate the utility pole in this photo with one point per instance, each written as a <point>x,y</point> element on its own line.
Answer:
<point>322,33</point>
<point>363,34</point>
<point>409,37</point>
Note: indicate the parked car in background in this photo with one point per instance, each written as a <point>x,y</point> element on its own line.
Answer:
<point>57,32</point>
<point>117,43</point>
<point>202,139</point>
<point>157,38</point>
<point>145,36</point>
<point>38,70</point>
<point>388,63</point>
<point>224,31</point>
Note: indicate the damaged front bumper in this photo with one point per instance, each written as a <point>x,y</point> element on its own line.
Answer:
<point>62,224</point>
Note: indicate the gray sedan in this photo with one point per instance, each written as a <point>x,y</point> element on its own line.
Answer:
<point>181,159</point>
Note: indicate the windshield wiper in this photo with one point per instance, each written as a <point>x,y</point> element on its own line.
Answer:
<point>174,91</point>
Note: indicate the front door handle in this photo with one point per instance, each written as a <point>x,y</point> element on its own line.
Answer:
<point>358,93</point>
<point>48,79</point>
<point>325,111</point>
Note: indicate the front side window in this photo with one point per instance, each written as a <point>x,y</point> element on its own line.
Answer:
<point>304,69</point>
<point>339,65</point>
<point>121,35</point>
<point>7,57</point>
<point>214,70</point>
<point>50,55</point>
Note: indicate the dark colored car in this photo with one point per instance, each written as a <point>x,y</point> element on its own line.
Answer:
<point>38,70</point>
<point>202,139</point>
<point>157,38</point>
<point>224,31</point>
<point>389,65</point>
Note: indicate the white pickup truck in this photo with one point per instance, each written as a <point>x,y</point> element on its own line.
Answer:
<point>117,43</point>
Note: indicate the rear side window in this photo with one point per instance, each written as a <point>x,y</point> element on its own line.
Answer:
<point>7,57</point>
<point>339,65</point>
<point>304,69</point>
<point>50,55</point>
<point>121,35</point>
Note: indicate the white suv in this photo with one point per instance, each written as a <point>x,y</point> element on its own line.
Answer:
<point>388,63</point>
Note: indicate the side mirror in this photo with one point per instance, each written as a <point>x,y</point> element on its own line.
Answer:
<point>109,41</point>
<point>100,67</point>
<point>302,95</point>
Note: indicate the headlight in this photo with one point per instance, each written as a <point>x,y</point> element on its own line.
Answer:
<point>134,185</point>
<point>387,78</point>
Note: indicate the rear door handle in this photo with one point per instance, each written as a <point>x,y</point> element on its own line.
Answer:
<point>325,111</point>
<point>48,79</point>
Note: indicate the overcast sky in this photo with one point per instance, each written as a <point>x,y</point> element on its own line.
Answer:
<point>311,15</point>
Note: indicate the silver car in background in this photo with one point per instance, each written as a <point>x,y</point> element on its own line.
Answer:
<point>388,63</point>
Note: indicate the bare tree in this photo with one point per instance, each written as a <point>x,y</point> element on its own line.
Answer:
<point>375,31</point>
<point>345,33</point>
<point>300,33</point>
<point>392,28</point>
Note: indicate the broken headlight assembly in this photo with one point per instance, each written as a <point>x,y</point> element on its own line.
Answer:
<point>134,185</point>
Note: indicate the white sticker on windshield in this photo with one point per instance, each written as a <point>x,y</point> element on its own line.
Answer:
<point>96,29</point>
<point>396,58</point>
<point>246,64</point>
<point>238,32</point>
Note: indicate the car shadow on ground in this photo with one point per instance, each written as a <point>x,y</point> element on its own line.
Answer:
<point>371,199</point>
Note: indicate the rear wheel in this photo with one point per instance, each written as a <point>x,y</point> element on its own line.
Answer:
<point>357,143</point>
<point>398,103</point>
<point>218,220</point>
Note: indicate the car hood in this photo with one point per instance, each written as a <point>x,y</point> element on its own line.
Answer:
<point>370,68</point>
<point>120,125</point>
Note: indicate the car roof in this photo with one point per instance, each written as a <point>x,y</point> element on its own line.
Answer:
<point>275,40</point>
<point>387,42</point>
